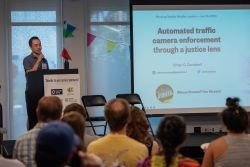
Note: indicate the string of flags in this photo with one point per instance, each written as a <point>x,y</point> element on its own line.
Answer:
<point>110,44</point>
<point>68,32</point>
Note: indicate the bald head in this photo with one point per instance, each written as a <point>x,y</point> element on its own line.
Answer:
<point>49,108</point>
<point>117,113</point>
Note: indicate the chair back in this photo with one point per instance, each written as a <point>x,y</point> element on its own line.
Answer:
<point>7,148</point>
<point>131,98</point>
<point>136,99</point>
<point>93,100</point>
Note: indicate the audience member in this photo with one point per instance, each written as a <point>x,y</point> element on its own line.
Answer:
<point>76,121</point>
<point>171,133</point>
<point>55,145</point>
<point>138,129</point>
<point>116,147</point>
<point>80,158</point>
<point>75,107</point>
<point>232,149</point>
<point>49,108</point>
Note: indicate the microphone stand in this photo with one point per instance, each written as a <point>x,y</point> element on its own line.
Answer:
<point>66,64</point>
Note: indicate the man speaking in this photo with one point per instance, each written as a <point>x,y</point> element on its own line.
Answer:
<point>33,62</point>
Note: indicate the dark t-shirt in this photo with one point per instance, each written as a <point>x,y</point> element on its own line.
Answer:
<point>30,60</point>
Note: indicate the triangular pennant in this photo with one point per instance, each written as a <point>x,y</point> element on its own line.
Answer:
<point>65,54</point>
<point>65,33</point>
<point>70,34</point>
<point>90,38</point>
<point>70,28</point>
<point>110,45</point>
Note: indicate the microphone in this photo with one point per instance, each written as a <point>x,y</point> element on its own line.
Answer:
<point>44,60</point>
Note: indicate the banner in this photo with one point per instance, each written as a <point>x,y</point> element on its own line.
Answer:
<point>65,86</point>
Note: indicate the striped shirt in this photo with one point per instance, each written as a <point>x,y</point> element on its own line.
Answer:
<point>25,146</point>
<point>237,153</point>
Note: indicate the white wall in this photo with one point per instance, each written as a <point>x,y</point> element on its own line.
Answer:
<point>73,13</point>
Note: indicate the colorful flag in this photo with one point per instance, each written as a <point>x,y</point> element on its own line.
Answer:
<point>90,39</point>
<point>68,30</point>
<point>65,54</point>
<point>110,45</point>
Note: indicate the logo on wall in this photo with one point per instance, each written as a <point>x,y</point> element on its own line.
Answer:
<point>164,93</point>
<point>70,90</point>
<point>56,91</point>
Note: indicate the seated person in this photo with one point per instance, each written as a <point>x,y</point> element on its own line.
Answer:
<point>234,148</point>
<point>138,129</point>
<point>75,107</point>
<point>80,157</point>
<point>49,109</point>
<point>171,133</point>
<point>55,145</point>
<point>116,148</point>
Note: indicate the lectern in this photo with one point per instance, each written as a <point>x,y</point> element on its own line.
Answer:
<point>35,90</point>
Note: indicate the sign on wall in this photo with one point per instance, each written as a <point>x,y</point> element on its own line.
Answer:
<point>65,86</point>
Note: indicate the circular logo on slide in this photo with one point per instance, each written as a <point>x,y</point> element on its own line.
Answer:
<point>164,93</point>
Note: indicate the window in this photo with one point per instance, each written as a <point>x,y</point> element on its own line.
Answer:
<point>25,24</point>
<point>109,21</point>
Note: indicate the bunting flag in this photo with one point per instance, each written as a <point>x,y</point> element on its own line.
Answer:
<point>65,54</point>
<point>110,45</point>
<point>68,30</point>
<point>90,38</point>
<point>67,34</point>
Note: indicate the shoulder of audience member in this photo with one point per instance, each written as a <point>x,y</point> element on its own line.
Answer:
<point>94,144</point>
<point>217,142</point>
<point>90,159</point>
<point>140,146</point>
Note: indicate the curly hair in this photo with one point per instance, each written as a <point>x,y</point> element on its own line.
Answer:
<point>138,126</point>
<point>171,133</point>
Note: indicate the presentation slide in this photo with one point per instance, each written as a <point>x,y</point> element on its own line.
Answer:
<point>189,59</point>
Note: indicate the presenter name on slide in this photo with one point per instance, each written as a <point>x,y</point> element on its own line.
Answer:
<point>187,64</point>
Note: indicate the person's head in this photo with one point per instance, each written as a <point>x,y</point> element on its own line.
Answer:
<point>49,108</point>
<point>35,45</point>
<point>235,117</point>
<point>171,134</point>
<point>117,114</point>
<point>75,107</point>
<point>55,145</point>
<point>138,125</point>
<point>77,123</point>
